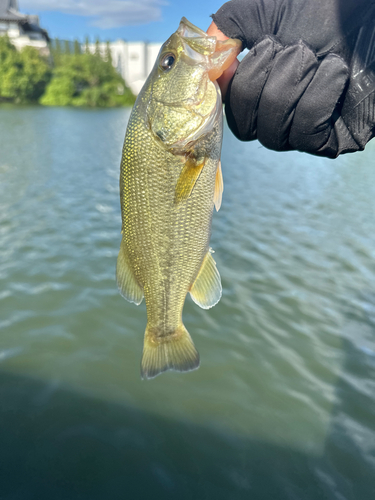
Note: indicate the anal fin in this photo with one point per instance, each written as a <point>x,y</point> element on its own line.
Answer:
<point>206,290</point>
<point>126,281</point>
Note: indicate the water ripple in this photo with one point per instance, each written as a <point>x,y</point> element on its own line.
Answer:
<point>287,356</point>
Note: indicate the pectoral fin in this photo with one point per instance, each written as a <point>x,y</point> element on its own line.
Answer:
<point>206,289</point>
<point>188,177</point>
<point>126,281</point>
<point>219,187</point>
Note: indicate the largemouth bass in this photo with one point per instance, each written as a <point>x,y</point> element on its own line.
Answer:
<point>170,180</point>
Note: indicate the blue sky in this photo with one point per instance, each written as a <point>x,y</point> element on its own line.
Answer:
<point>151,20</point>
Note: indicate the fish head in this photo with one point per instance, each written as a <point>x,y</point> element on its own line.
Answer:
<point>184,97</point>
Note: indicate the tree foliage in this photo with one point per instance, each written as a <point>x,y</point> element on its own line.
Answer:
<point>67,47</point>
<point>108,54</point>
<point>86,80</point>
<point>76,79</point>
<point>77,47</point>
<point>97,47</point>
<point>23,75</point>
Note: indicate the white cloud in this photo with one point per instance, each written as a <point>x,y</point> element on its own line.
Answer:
<point>103,13</point>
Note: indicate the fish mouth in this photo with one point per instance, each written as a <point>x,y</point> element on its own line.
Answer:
<point>187,29</point>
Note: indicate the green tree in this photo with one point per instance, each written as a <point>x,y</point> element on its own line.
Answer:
<point>77,47</point>
<point>23,75</point>
<point>97,48</point>
<point>58,46</point>
<point>67,47</point>
<point>108,53</point>
<point>56,50</point>
<point>87,45</point>
<point>86,80</point>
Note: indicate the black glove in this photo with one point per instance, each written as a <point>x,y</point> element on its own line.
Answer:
<point>308,82</point>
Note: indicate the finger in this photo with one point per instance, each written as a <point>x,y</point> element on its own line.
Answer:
<point>213,30</point>
<point>291,73</point>
<point>312,123</point>
<point>244,91</point>
<point>226,77</point>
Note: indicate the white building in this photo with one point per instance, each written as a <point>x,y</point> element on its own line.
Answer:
<point>22,29</point>
<point>133,60</point>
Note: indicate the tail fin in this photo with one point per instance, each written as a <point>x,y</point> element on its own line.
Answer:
<point>175,352</point>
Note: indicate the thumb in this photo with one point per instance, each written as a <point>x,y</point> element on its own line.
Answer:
<point>227,75</point>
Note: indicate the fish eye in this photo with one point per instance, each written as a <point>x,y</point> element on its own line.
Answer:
<point>167,61</point>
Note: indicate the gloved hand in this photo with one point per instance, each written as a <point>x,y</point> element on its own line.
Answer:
<point>308,81</point>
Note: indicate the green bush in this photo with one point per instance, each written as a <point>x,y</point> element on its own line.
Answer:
<point>24,75</point>
<point>75,80</point>
<point>86,80</point>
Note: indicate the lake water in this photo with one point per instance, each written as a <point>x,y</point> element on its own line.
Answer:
<point>283,405</point>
